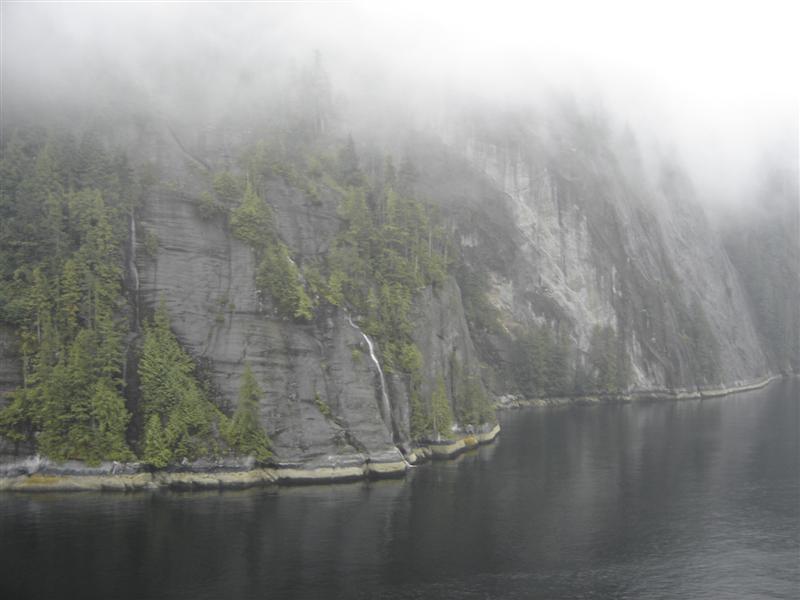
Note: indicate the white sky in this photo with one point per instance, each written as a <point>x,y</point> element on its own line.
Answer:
<point>719,79</point>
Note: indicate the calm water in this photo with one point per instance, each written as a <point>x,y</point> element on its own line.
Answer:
<point>674,500</point>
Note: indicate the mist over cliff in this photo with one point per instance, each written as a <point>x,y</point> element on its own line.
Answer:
<point>681,76</point>
<point>351,231</point>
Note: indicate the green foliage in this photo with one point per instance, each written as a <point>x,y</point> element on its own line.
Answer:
<point>65,206</point>
<point>252,220</point>
<point>156,450</point>
<point>441,412</point>
<point>421,419</point>
<point>81,414</point>
<point>244,432</point>
<point>480,312</point>
<point>407,176</point>
<point>15,418</point>
<point>210,208</point>
<point>388,248</point>
<point>315,281</point>
<point>180,420</point>
<point>323,407</point>
<point>109,420</point>
<point>333,292</point>
<point>151,244</point>
<point>275,159</point>
<point>476,406</point>
<point>539,365</point>
<point>277,273</point>
<point>356,354</point>
<point>472,405</point>
<point>483,411</point>
<point>349,170</point>
<point>63,214</point>
<point>226,188</point>
<point>408,358</point>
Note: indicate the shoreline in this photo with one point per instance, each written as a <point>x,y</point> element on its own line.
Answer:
<point>239,479</point>
<point>656,395</point>
<point>452,448</point>
<point>295,474</point>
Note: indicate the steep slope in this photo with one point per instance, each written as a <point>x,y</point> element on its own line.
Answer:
<point>567,268</point>
<point>764,246</point>
<point>576,237</point>
<point>322,389</point>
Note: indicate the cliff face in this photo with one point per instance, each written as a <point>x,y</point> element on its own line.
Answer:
<point>207,280</point>
<point>443,337</point>
<point>590,240</point>
<point>568,238</point>
<point>571,234</point>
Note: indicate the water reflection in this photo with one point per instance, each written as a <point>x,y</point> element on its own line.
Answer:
<point>683,499</point>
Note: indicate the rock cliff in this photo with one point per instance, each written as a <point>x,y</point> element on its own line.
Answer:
<point>572,234</point>
<point>595,241</point>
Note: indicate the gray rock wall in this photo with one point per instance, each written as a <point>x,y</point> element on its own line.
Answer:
<point>591,241</point>
<point>442,336</point>
<point>568,236</point>
<point>207,280</point>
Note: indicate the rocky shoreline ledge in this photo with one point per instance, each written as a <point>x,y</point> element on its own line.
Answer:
<point>652,395</point>
<point>35,474</point>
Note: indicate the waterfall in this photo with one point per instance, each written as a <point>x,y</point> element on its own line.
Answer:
<point>386,411</point>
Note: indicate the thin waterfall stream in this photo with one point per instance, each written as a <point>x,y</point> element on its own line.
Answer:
<point>385,408</point>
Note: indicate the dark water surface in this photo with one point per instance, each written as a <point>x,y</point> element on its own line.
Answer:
<point>691,499</point>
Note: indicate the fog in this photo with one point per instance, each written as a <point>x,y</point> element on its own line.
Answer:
<point>714,87</point>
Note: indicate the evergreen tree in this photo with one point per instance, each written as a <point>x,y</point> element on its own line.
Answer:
<point>349,170</point>
<point>109,419</point>
<point>529,363</point>
<point>387,249</point>
<point>65,305</point>
<point>226,188</point>
<point>156,450</point>
<point>185,420</point>
<point>478,408</point>
<point>252,220</point>
<point>441,412</point>
<point>80,411</point>
<point>277,273</point>
<point>407,176</point>
<point>389,173</point>
<point>421,422</point>
<point>245,434</point>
